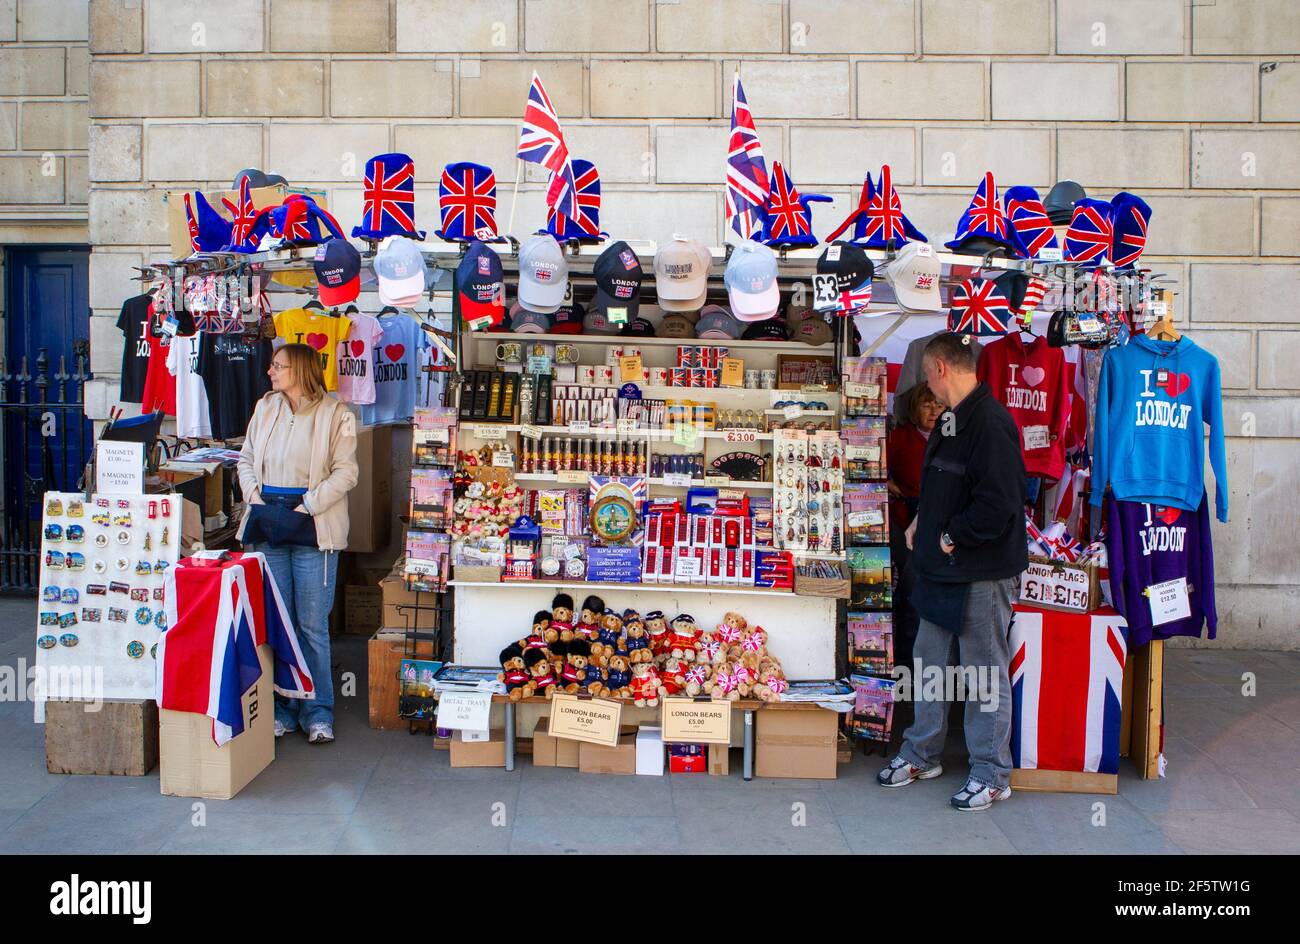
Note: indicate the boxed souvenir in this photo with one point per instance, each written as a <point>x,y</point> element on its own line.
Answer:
<point>549,751</point>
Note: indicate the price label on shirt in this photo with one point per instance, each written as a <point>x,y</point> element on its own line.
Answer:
<point>1036,437</point>
<point>1169,601</point>
<point>490,433</point>
<point>530,432</point>
<point>740,436</point>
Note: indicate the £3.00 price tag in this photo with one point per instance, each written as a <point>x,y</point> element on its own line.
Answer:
<point>740,436</point>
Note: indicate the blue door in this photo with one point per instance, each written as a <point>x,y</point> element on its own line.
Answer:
<point>47,437</point>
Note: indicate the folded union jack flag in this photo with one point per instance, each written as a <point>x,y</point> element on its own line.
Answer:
<point>218,613</point>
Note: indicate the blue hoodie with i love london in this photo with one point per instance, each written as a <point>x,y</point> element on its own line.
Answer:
<point>1152,402</point>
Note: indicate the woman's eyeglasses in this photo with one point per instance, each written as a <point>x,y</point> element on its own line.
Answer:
<point>278,367</point>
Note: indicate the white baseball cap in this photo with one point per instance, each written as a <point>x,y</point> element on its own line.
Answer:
<point>914,276</point>
<point>401,272</point>
<point>543,274</point>
<point>751,282</point>
<point>682,274</point>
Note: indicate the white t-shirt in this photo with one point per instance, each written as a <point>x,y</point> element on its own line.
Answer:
<point>356,360</point>
<point>192,418</point>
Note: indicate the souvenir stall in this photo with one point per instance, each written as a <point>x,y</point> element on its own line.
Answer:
<point>650,475</point>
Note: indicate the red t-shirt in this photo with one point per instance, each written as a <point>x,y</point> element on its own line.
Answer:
<point>906,453</point>
<point>1029,380</point>
<point>159,382</point>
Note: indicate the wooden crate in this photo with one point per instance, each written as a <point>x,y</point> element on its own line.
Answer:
<point>386,652</point>
<point>120,738</point>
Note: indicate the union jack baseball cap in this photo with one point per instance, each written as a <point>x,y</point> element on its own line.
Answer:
<point>852,269</point>
<point>338,272</point>
<point>480,282</point>
<point>543,274</point>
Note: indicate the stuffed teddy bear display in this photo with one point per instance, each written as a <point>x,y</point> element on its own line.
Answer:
<point>538,638</point>
<point>723,685</point>
<point>683,638</point>
<point>593,678</point>
<point>618,676</point>
<point>711,650</point>
<point>645,685</point>
<point>513,672</point>
<point>593,608</point>
<point>656,627</point>
<point>572,671</point>
<point>542,679</point>
<point>697,676</point>
<point>771,681</point>
<point>562,616</point>
<point>610,628</point>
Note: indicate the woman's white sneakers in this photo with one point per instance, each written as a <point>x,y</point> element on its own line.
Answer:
<point>321,732</point>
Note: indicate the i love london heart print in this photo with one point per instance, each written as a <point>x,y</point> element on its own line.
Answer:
<point>317,330</point>
<point>356,360</point>
<point>395,365</point>
<point>1029,379</point>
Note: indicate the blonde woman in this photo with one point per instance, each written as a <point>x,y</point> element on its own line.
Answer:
<point>298,463</point>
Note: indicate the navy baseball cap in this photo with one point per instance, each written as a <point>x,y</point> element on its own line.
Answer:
<point>568,319</point>
<point>338,272</point>
<point>480,281</point>
<point>617,272</point>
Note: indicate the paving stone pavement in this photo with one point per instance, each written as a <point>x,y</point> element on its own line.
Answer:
<point>1232,786</point>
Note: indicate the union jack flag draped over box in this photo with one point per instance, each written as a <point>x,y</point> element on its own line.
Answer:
<point>1067,675</point>
<point>218,613</point>
<point>541,141</point>
<point>747,182</point>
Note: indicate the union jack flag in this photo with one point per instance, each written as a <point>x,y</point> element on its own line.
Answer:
<point>853,300</point>
<point>389,196</point>
<point>541,141</point>
<point>747,183</point>
<point>1067,675</point>
<point>218,613</point>
<point>983,217</point>
<point>243,217</point>
<point>1029,220</point>
<point>1130,229</point>
<point>979,307</point>
<point>467,201</point>
<point>787,217</point>
<point>1088,239</point>
<point>586,184</point>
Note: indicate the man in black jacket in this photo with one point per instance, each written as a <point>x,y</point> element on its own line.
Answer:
<point>968,549</point>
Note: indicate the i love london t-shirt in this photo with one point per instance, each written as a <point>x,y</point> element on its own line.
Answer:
<point>192,416</point>
<point>356,357</point>
<point>396,371</point>
<point>317,330</point>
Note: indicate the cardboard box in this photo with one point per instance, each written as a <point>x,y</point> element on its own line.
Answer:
<point>1044,578</point>
<point>191,764</point>
<point>370,503</point>
<point>719,760</point>
<point>119,736</point>
<point>385,651</point>
<point>838,587</point>
<point>552,751</point>
<point>362,609</point>
<point>599,759</point>
<point>650,752</point>
<point>795,743</point>
<point>489,753</point>
<point>399,604</point>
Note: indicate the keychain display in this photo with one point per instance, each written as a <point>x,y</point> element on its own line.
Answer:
<point>808,482</point>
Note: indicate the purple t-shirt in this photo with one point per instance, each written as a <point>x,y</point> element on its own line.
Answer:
<point>1148,544</point>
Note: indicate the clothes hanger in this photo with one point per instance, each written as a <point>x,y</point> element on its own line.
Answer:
<point>1163,329</point>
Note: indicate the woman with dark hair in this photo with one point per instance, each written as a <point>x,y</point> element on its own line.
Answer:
<point>906,454</point>
<point>297,465</point>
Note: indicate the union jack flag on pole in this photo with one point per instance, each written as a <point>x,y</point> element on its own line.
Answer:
<point>541,141</point>
<point>747,183</point>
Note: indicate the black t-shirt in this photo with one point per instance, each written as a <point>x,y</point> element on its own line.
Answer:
<point>233,368</point>
<point>134,325</point>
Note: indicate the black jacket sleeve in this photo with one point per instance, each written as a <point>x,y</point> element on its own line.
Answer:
<point>997,474</point>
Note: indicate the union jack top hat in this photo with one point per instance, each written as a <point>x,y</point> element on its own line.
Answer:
<point>879,217</point>
<point>1130,215</point>
<point>1030,225</point>
<point>587,227</point>
<point>209,230</point>
<point>787,218</point>
<point>388,207</point>
<point>984,228</point>
<point>1088,240</point>
<point>467,203</point>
